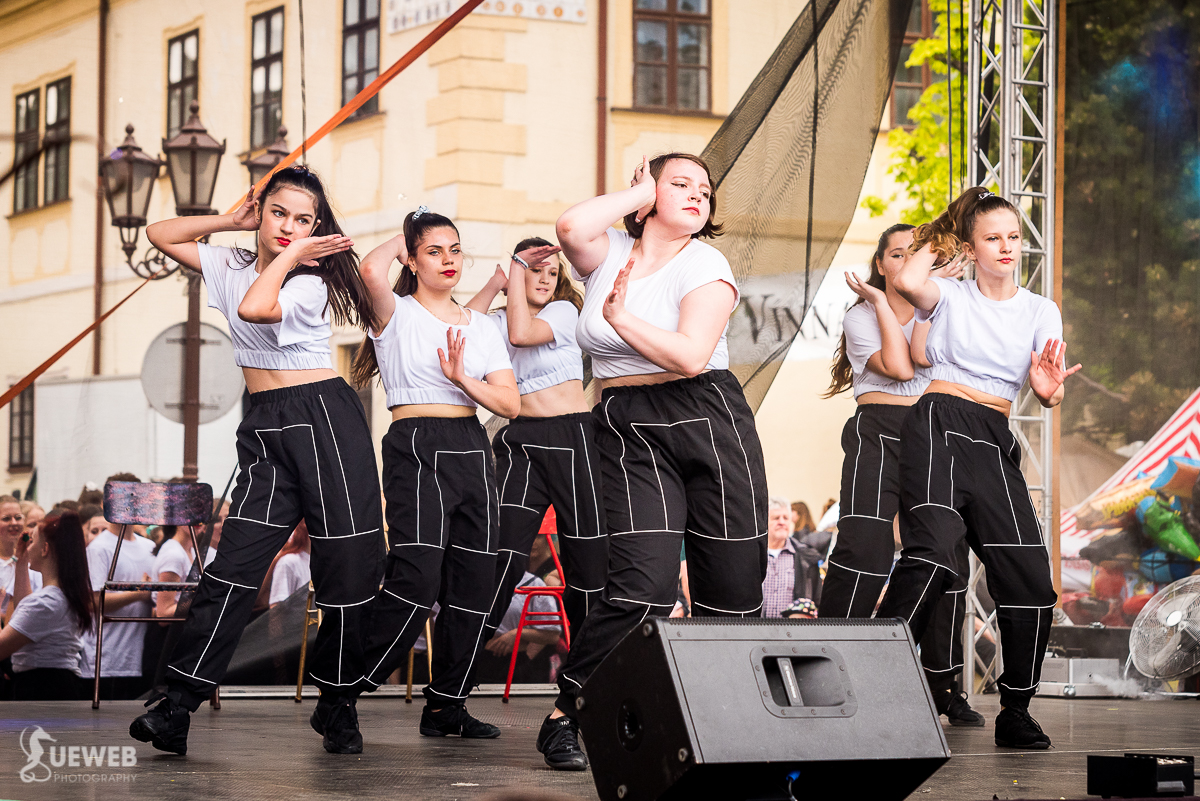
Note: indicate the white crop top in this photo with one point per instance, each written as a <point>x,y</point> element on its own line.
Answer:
<point>655,299</point>
<point>986,344</point>
<point>863,340</point>
<point>552,363</point>
<point>407,347</point>
<point>299,341</point>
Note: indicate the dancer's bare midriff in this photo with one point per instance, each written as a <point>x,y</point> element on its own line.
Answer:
<point>1001,405</point>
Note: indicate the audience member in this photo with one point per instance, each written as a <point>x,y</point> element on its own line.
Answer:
<point>92,518</point>
<point>172,562</point>
<point>91,495</point>
<point>792,571</point>
<point>291,571</point>
<point>121,660</point>
<point>802,519</point>
<point>42,638</point>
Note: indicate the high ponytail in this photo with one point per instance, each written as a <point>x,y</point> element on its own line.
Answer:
<point>416,224</point>
<point>946,234</point>
<point>842,372</point>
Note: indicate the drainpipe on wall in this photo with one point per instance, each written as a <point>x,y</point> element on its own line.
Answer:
<point>602,97</point>
<point>101,98</point>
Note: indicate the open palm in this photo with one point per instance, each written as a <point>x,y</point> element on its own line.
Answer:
<point>1046,373</point>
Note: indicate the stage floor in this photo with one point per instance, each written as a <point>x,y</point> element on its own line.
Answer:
<point>264,749</point>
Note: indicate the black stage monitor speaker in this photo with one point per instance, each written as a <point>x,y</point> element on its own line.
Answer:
<point>728,709</point>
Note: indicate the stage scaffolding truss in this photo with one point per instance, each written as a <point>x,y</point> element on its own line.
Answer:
<point>1010,149</point>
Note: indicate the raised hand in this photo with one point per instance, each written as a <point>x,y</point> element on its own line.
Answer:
<point>452,359</point>
<point>642,178</point>
<point>614,304</point>
<point>870,294</point>
<point>1046,372</point>
<point>951,269</point>
<point>538,256</point>
<point>246,217</point>
<point>499,280</point>
<point>311,249</point>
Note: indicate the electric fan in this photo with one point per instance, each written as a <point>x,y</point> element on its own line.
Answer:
<point>1164,643</point>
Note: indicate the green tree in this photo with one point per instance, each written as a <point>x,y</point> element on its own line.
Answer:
<point>921,150</point>
<point>1131,236</point>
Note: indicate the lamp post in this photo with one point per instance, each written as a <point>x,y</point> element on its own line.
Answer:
<point>264,162</point>
<point>192,158</point>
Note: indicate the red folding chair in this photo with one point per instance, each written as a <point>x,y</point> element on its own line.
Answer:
<point>559,616</point>
<point>135,503</point>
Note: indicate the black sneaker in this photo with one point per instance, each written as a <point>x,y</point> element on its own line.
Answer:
<point>165,727</point>
<point>455,719</point>
<point>558,741</point>
<point>953,704</point>
<point>1016,728</point>
<point>336,720</point>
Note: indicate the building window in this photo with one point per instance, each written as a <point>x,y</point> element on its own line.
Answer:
<point>911,82</point>
<point>360,50</point>
<point>266,77</point>
<point>58,140</point>
<point>20,430</point>
<point>25,160</point>
<point>183,62</point>
<point>671,55</point>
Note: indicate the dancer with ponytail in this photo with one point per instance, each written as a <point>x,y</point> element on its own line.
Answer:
<point>547,455</point>
<point>438,362</point>
<point>960,472</point>
<point>679,453</point>
<point>43,637</point>
<point>874,358</point>
<point>304,449</point>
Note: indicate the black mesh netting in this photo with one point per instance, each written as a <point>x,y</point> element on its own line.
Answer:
<point>787,197</point>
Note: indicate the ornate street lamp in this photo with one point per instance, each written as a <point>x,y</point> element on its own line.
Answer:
<point>128,176</point>
<point>264,162</point>
<point>193,158</point>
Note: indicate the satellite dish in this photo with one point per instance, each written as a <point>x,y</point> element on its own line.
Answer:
<point>221,383</point>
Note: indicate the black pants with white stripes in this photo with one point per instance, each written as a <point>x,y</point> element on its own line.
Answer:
<point>681,463</point>
<point>544,461</point>
<point>304,452</point>
<point>960,477</point>
<point>858,568</point>
<point>443,528</point>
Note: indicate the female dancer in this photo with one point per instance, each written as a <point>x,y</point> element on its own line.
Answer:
<point>438,362</point>
<point>874,357</point>
<point>304,448</point>
<point>679,454</point>
<point>43,636</point>
<point>960,472</point>
<point>552,439</point>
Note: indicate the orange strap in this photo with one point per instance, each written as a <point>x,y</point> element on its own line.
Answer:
<point>19,387</point>
<point>354,105</point>
<point>370,90</point>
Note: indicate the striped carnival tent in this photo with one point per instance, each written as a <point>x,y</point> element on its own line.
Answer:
<point>1179,436</point>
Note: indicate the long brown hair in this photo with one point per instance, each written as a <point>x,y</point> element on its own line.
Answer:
<point>842,373</point>
<point>416,224</point>
<point>564,289</point>
<point>64,534</point>
<point>954,226</point>
<point>710,229</point>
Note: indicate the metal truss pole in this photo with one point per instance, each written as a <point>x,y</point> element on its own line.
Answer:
<point>1010,150</point>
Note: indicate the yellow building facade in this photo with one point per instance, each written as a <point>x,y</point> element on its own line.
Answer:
<point>498,126</point>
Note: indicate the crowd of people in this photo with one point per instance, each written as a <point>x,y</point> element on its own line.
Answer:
<point>658,487</point>
<point>131,650</point>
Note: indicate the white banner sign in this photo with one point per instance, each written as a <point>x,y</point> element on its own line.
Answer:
<point>405,14</point>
